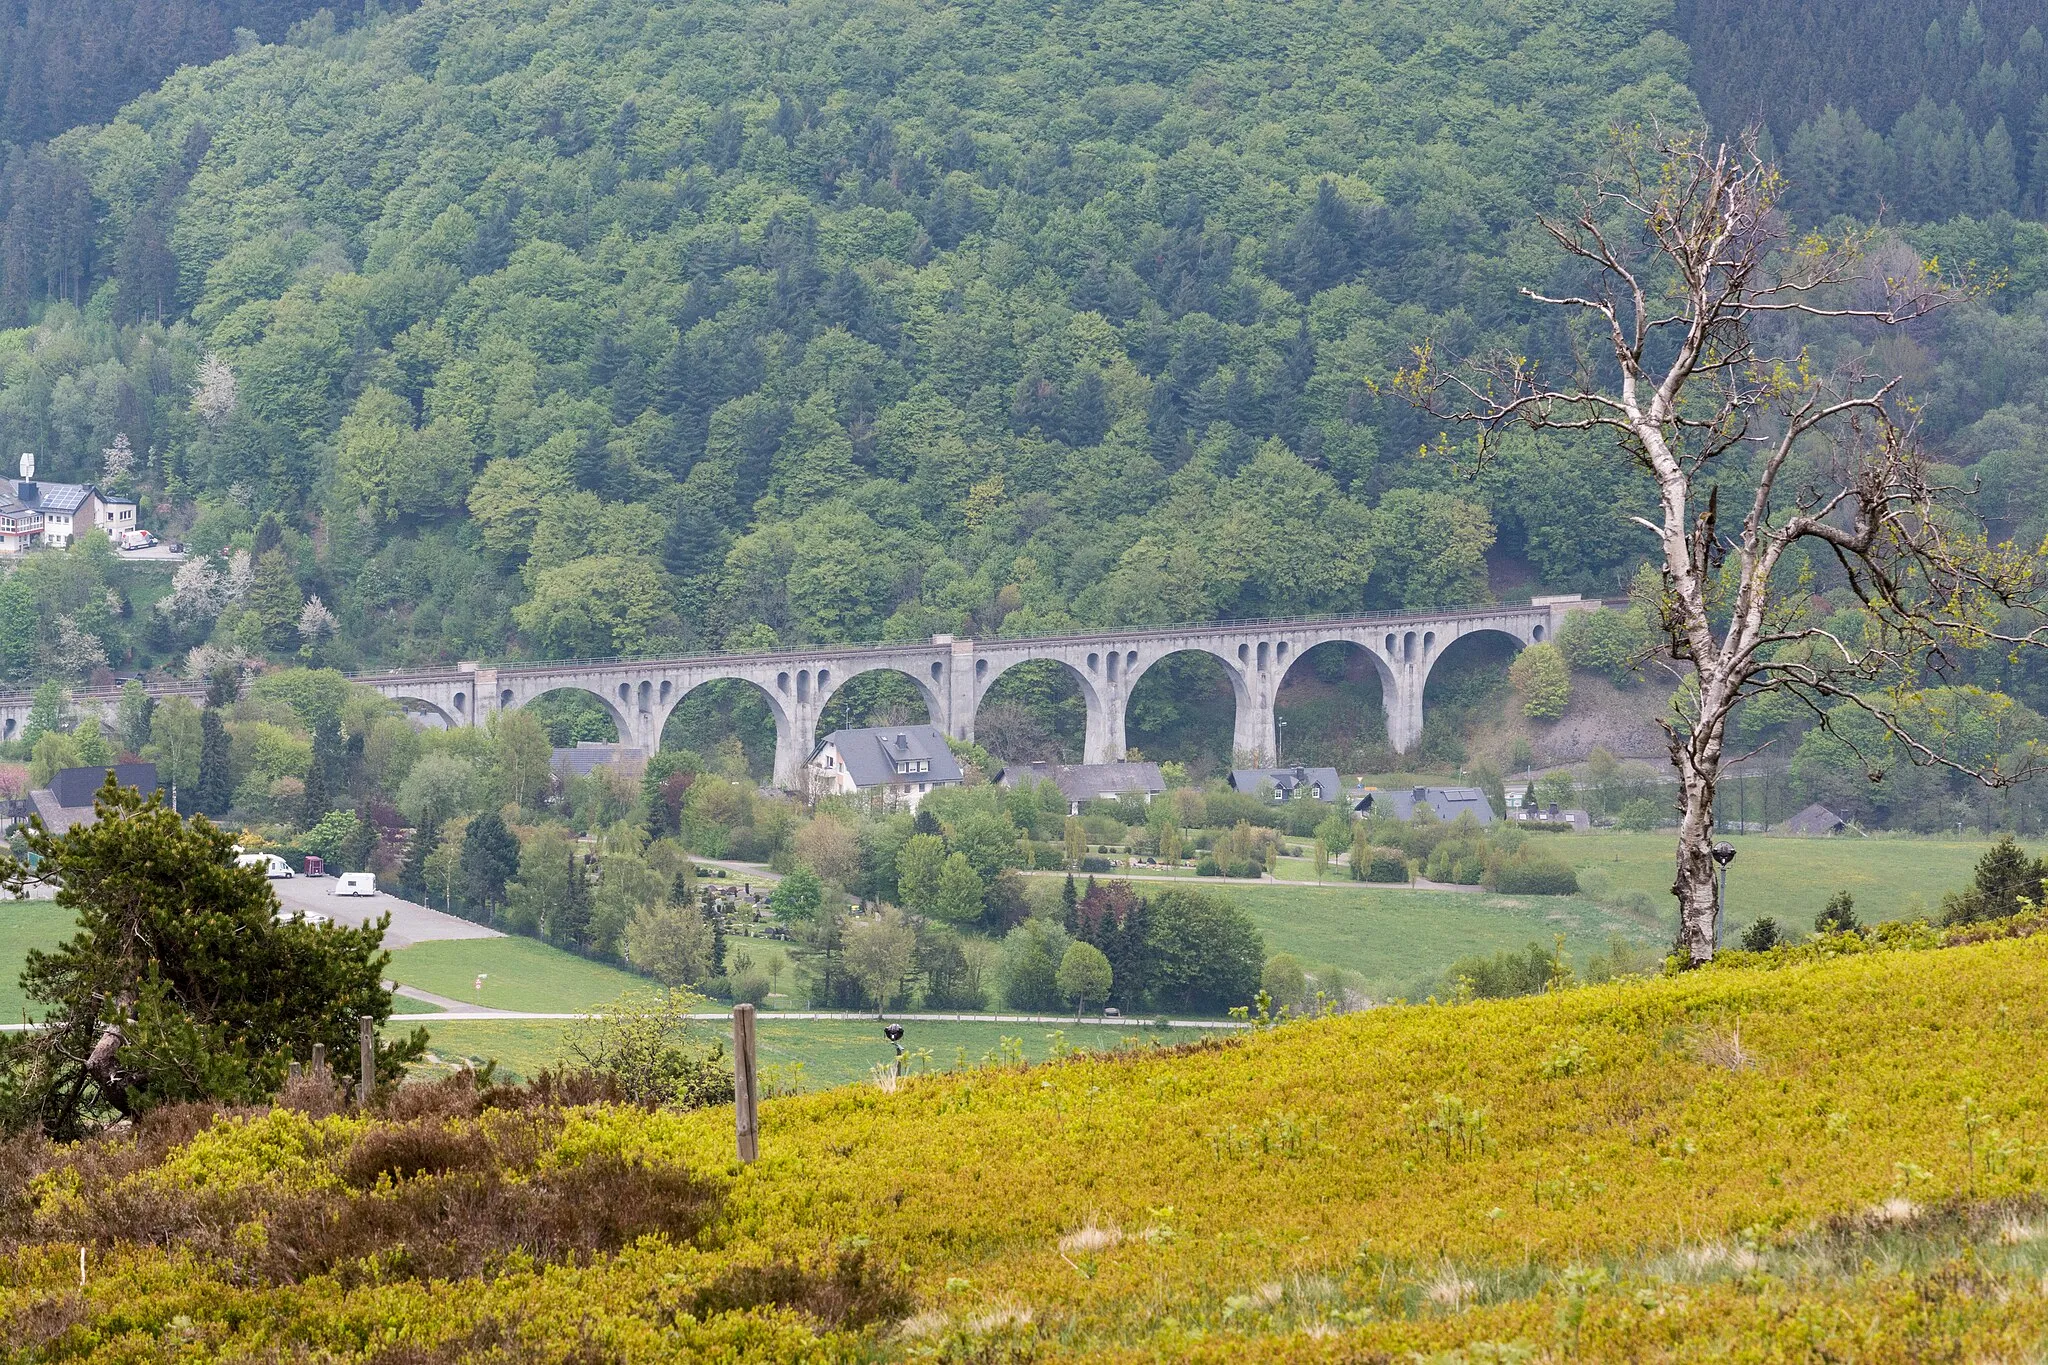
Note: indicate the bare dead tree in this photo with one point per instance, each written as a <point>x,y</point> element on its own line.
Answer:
<point>1694,285</point>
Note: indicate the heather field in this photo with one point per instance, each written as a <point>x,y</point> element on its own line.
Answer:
<point>1834,1153</point>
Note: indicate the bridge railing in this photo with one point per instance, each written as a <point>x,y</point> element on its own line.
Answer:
<point>849,650</point>
<point>445,672</point>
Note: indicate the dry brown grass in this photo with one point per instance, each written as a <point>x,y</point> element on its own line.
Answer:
<point>437,1193</point>
<point>847,1289</point>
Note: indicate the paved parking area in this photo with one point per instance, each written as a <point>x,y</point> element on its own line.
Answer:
<point>410,922</point>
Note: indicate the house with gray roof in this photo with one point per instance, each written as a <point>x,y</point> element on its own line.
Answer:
<point>66,509</point>
<point>67,801</point>
<point>900,764</point>
<point>1289,784</point>
<point>1447,802</point>
<point>591,754</point>
<point>1816,821</point>
<point>1084,782</point>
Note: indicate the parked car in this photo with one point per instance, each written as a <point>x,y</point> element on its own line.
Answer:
<point>354,884</point>
<point>137,540</point>
<point>273,866</point>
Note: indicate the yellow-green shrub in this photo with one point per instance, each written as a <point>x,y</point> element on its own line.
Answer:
<point>1591,1127</point>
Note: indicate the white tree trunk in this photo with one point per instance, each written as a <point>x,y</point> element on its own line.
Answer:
<point>1694,885</point>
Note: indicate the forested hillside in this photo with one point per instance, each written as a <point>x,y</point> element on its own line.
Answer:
<point>1932,106</point>
<point>499,329</point>
<point>599,327</point>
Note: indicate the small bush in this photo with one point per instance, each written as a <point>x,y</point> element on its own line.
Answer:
<point>1529,873</point>
<point>1092,863</point>
<point>1760,937</point>
<point>1838,916</point>
<point>750,987</point>
<point>1385,865</point>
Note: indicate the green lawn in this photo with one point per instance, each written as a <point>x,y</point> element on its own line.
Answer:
<point>832,1051</point>
<point>1789,879</point>
<point>522,974</point>
<point>1398,939</point>
<point>25,925</point>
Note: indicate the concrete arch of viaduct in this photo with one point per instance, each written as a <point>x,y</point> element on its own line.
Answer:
<point>1104,737</point>
<point>954,677</point>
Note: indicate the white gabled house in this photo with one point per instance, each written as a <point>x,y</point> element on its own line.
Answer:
<point>36,512</point>
<point>899,763</point>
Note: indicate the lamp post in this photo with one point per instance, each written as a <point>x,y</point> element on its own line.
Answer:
<point>894,1033</point>
<point>1279,740</point>
<point>1724,854</point>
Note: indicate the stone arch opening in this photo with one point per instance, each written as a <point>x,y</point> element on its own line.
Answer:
<point>730,723</point>
<point>1332,699</point>
<point>573,716</point>
<point>1466,676</point>
<point>1183,709</point>
<point>1035,711</point>
<point>425,714</point>
<point>875,696</point>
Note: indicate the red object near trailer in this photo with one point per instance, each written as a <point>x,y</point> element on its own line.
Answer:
<point>314,866</point>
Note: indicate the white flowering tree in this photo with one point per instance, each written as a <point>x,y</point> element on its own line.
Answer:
<point>117,461</point>
<point>316,622</point>
<point>213,396</point>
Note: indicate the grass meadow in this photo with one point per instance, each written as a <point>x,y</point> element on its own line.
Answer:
<point>829,1051</point>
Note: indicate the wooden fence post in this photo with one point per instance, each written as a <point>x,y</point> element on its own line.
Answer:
<point>320,1062</point>
<point>745,1097</point>
<point>368,1078</point>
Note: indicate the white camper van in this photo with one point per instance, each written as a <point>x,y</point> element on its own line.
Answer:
<point>273,866</point>
<point>354,884</point>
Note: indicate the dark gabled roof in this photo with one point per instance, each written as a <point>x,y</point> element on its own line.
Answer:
<point>74,788</point>
<point>1088,781</point>
<point>871,755</point>
<point>1448,802</point>
<point>61,498</point>
<point>1287,780</point>
<point>1815,819</point>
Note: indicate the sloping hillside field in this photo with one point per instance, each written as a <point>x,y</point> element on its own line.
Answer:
<point>1815,1159</point>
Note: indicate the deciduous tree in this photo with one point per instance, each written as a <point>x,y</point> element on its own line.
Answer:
<point>1681,268</point>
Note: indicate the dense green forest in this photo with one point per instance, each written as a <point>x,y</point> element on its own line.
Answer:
<point>495,329</point>
<point>819,322</point>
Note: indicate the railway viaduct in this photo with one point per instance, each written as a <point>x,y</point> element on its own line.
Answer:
<point>954,675</point>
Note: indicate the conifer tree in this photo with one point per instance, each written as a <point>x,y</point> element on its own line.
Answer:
<point>215,790</point>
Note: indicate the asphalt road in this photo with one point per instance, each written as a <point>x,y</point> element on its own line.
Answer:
<point>410,923</point>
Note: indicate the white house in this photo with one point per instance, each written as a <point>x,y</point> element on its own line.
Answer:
<point>21,527</point>
<point>117,515</point>
<point>900,763</point>
<point>66,508</point>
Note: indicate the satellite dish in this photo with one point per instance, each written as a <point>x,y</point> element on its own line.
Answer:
<point>28,464</point>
